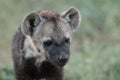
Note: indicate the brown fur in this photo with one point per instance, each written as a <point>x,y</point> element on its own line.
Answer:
<point>38,26</point>
<point>49,15</point>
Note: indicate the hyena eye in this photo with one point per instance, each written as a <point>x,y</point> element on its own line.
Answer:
<point>47,43</point>
<point>67,40</point>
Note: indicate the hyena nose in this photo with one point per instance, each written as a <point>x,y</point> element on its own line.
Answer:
<point>63,60</point>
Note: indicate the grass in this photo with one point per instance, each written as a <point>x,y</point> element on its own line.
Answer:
<point>95,52</point>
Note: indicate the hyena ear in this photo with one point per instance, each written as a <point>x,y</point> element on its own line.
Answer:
<point>73,17</point>
<point>29,23</point>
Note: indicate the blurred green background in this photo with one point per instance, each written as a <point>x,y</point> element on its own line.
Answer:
<point>95,52</point>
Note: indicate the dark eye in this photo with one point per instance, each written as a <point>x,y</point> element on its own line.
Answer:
<point>47,43</point>
<point>67,40</point>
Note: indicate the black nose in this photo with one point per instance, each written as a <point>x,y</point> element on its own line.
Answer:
<point>63,59</point>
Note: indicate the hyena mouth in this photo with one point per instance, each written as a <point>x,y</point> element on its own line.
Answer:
<point>62,62</point>
<point>59,63</point>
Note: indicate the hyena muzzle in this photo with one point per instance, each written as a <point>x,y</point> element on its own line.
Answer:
<point>50,34</point>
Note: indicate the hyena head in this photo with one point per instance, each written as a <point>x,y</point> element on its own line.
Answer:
<point>52,33</point>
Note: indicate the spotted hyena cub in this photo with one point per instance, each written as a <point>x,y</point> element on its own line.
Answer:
<point>47,50</point>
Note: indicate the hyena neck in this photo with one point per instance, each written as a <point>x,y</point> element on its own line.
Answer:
<point>48,70</point>
<point>45,71</point>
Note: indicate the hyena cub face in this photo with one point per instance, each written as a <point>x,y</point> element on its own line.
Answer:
<point>52,33</point>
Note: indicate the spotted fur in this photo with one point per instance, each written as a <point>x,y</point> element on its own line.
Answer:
<point>51,33</point>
